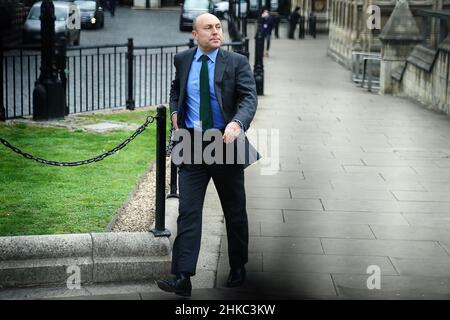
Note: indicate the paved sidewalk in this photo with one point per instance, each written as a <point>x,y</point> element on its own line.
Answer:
<point>363,181</point>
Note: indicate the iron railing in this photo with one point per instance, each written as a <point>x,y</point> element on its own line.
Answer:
<point>96,77</point>
<point>366,69</point>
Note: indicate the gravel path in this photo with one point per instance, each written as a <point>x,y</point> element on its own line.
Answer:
<point>138,213</point>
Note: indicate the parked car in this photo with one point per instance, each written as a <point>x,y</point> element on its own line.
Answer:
<point>192,9</point>
<point>91,14</point>
<point>32,26</point>
<point>221,8</point>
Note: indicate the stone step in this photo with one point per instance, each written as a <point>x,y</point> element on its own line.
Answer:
<point>73,259</point>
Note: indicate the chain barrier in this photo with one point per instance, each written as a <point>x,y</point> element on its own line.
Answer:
<point>150,119</point>
<point>170,143</point>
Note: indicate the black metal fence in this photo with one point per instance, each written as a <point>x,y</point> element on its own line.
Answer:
<point>97,77</point>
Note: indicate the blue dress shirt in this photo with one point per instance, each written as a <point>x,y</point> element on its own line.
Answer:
<point>193,92</point>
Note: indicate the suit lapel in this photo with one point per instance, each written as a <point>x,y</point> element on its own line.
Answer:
<point>184,73</point>
<point>221,62</point>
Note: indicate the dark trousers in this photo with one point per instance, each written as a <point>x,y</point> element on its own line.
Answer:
<point>292,27</point>
<point>193,181</point>
<point>267,38</point>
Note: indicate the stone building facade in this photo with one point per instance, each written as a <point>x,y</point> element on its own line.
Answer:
<point>413,41</point>
<point>348,28</point>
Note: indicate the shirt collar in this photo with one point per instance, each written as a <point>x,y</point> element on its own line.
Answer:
<point>211,55</point>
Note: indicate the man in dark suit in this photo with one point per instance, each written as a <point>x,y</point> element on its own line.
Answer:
<point>213,89</point>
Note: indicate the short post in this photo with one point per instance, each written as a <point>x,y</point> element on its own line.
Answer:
<point>312,26</point>
<point>258,70</point>
<point>301,29</point>
<point>130,57</point>
<point>61,56</point>
<point>245,49</point>
<point>147,4</point>
<point>160,203</point>
<point>173,192</point>
<point>191,43</point>
<point>2,107</point>
<point>244,24</point>
<point>48,95</point>
<point>239,16</point>
<point>173,171</point>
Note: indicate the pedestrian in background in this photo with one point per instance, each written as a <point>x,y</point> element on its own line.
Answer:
<point>293,20</point>
<point>276,22</point>
<point>112,7</point>
<point>267,25</point>
<point>312,24</point>
<point>301,25</point>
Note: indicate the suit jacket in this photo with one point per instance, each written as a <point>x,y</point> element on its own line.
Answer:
<point>234,87</point>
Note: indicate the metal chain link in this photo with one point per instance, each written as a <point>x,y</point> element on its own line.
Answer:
<point>150,119</point>
<point>170,144</point>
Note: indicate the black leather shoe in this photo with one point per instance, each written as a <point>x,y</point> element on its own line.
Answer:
<point>181,286</point>
<point>236,277</point>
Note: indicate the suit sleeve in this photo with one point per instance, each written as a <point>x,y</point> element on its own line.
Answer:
<point>175,89</point>
<point>246,92</point>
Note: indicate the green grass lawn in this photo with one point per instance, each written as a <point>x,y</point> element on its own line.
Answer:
<point>42,199</point>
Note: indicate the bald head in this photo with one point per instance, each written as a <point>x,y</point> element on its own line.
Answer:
<point>203,17</point>
<point>207,31</point>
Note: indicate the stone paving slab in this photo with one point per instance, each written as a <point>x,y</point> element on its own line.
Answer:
<point>301,263</point>
<point>411,232</point>
<point>265,215</point>
<point>378,185</point>
<point>255,262</point>
<point>436,267</point>
<point>435,186</point>
<point>428,219</point>
<point>439,196</point>
<point>274,203</point>
<point>392,287</point>
<point>296,286</point>
<point>268,192</point>
<point>353,218</point>
<point>280,245</point>
<point>347,194</point>
<point>386,206</point>
<point>319,230</point>
<point>392,248</point>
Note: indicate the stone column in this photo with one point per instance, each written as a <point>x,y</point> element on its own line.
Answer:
<point>398,37</point>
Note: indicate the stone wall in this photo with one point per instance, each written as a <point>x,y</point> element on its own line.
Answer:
<point>348,29</point>
<point>429,87</point>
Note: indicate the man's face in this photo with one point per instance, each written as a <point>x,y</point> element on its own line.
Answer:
<point>208,32</point>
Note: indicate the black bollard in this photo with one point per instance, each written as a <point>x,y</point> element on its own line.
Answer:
<point>130,56</point>
<point>160,201</point>
<point>301,30</point>
<point>239,16</point>
<point>312,25</point>
<point>258,70</point>
<point>61,56</point>
<point>2,107</point>
<point>245,50</point>
<point>277,25</point>
<point>244,26</point>
<point>173,189</point>
<point>48,93</point>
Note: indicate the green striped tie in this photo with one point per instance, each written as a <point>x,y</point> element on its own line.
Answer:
<point>205,100</point>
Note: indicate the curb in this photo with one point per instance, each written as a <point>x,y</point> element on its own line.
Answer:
<point>94,257</point>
